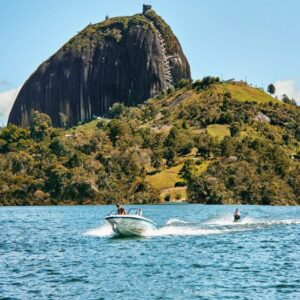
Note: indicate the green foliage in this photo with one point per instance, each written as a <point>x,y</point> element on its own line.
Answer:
<point>297,133</point>
<point>271,89</point>
<point>183,83</point>
<point>244,178</point>
<point>117,129</point>
<point>180,140</point>
<point>39,126</point>
<point>228,147</point>
<point>235,129</point>
<point>11,137</point>
<point>117,110</point>
<point>242,92</point>
<point>220,146</point>
<point>288,100</point>
<point>167,198</point>
<point>205,144</point>
<point>156,160</point>
<point>164,29</point>
<point>75,161</point>
<point>205,82</point>
<point>188,170</point>
<point>58,147</point>
<point>218,131</point>
<point>149,112</point>
<point>170,156</point>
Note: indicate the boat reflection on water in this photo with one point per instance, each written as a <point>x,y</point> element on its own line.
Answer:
<point>131,224</point>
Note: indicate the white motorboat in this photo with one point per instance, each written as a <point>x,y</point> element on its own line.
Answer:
<point>131,224</point>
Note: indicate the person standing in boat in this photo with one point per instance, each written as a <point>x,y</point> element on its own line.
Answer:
<point>120,210</point>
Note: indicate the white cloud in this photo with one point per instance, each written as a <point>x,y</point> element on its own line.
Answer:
<point>4,82</point>
<point>289,88</point>
<point>7,99</point>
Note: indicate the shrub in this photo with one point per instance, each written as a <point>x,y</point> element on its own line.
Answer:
<point>183,83</point>
<point>271,89</point>
<point>235,129</point>
<point>167,198</point>
<point>58,147</point>
<point>117,110</point>
<point>180,184</point>
<point>39,125</point>
<point>288,100</point>
<point>178,196</point>
<point>205,82</point>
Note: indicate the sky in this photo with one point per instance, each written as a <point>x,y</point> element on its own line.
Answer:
<point>252,40</point>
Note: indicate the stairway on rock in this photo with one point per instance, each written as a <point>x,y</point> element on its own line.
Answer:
<point>166,64</point>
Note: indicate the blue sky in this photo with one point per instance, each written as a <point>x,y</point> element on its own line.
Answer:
<point>257,40</point>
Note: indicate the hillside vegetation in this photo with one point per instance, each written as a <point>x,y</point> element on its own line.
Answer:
<point>208,141</point>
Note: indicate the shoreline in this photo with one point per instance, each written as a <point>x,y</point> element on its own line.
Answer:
<point>145,204</point>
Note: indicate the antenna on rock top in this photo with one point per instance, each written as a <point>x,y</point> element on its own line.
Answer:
<point>146,7</point>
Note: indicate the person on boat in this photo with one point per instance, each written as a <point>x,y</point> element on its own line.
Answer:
<point>120,210</point>
<point>237,215</point>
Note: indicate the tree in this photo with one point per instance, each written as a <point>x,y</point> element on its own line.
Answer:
<point>39,125</point>
<point>156,160</point>
<point>170,155</point>
<point>57,180</point>
<point>117,110</point>
<point>74,161</point>
<point>10,136</point>
<point>228,146</point>
<point>188,170</point>
<point>297,133</point>
<point>117,129</point>
<point>183,83</point>
<point>271,89</point>
<point>205,145</point>
<point>235,129</point>
<point>58,147</point>
<point>288,100</point>
<point>171,138</point>
<point>205,82</point>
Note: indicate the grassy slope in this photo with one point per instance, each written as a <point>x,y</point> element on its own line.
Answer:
<point>185,108</point>
<point>218,131</point>
<point>243,92</point>
<point>165,180</point>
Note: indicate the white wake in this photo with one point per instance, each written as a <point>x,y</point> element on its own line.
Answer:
<point>102,231</point>
<point>218,225</point>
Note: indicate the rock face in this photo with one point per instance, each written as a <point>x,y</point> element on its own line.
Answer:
<point>122,59</point>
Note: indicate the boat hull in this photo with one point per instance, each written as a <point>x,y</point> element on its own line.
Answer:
<point>131,225</point>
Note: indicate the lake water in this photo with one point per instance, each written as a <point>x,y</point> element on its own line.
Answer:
<point>198,253</point>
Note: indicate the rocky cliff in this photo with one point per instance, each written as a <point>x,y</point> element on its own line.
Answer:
<point>122,59</point>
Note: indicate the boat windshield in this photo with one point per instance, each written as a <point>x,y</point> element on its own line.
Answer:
<point>135,211</point>
<point>131,211</point>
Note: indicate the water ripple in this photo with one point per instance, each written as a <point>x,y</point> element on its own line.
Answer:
<point>197,253</point>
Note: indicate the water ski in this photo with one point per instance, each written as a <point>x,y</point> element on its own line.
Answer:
<point>236,219</point>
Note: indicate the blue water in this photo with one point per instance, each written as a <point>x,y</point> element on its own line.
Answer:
<point>198,253</point>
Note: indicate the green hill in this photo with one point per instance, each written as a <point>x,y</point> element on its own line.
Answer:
<point>207,141</point>
<point>242,92</point>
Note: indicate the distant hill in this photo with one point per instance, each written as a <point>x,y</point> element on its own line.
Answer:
<point>207,141</point>
<point>122,59</point>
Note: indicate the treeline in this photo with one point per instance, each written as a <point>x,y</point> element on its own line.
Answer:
<point>44,165</point>
<point>108,160</point>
